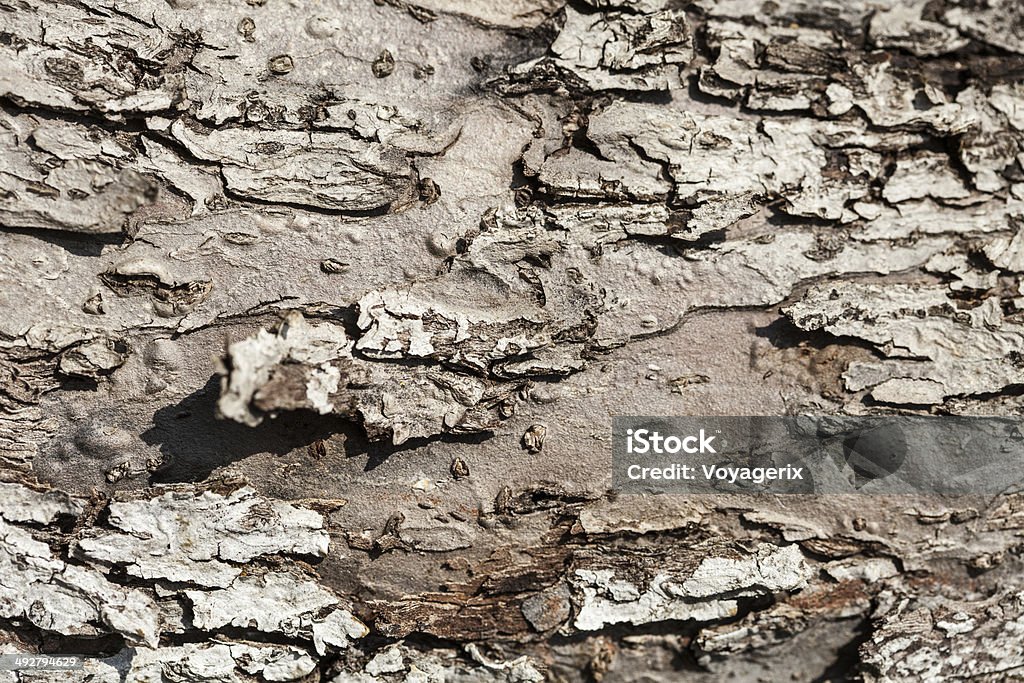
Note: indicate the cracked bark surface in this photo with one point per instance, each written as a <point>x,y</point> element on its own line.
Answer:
<point>316,315</point>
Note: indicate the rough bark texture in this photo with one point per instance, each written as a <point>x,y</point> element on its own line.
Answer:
<point>315,315</point>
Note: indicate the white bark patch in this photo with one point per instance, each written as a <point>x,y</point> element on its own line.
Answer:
<point>937,639</point>
<point>623,50</point>
<point>933,348</point>
<point>278,603</point>
<point>323,170</point>
<point>224,661</point>
<point>323,382</point>
<point>693,596</point>
<point>65,599</point>
<point>201,538</point>
<point>22,504</point>
<point>770,568</point>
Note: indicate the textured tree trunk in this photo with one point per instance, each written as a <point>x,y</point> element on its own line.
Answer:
<point>315,316</point>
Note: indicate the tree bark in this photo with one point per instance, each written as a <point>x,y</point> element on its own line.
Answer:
<point>316,316</point>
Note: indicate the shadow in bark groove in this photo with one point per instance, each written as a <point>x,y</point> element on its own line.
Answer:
<point>195,442</point>
<point>847,666</point>
<point>77,244</point>
<point>48,642</point>
<point>379,451</point>
<point>783,334</point>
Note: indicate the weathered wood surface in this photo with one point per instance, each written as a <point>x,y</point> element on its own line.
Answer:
<point>315,316</point>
